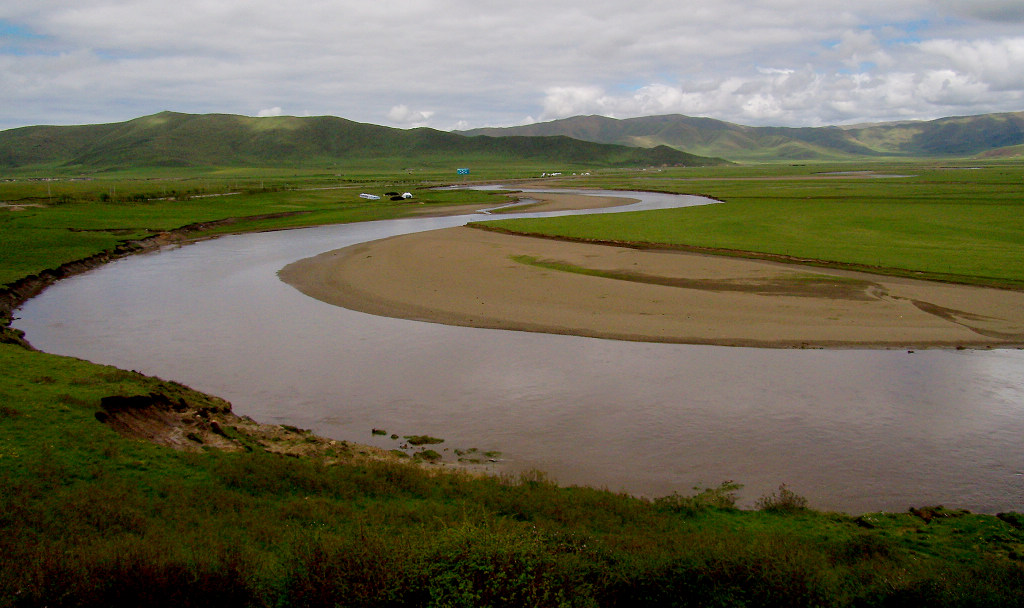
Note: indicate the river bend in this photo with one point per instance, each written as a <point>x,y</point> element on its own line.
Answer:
<point>852,430</point>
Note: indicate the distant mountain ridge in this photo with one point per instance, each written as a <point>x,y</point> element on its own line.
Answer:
<point>986,134</point>
<point>171,139</point>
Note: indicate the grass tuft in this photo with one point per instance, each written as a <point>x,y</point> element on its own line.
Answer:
<point>422,440</point>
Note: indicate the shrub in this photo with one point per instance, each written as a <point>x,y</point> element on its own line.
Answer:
<point>784,501</point>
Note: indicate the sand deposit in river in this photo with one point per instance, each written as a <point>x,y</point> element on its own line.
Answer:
<point>462,276</point>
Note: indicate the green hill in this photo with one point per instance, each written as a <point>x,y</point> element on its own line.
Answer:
<point>955,136</point>
<point>170,139</point>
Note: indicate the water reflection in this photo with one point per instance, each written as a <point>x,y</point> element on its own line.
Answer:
<point>855,430</point>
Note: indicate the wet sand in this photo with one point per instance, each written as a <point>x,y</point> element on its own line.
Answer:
<point>465,276</point>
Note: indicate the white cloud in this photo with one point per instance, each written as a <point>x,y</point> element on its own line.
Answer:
<point>791,97</point>
<point>560,102</point>
<point>995,10</point>
<point>857,48</point>
<point>401,114</point>
<point>999,63</point>
<point>275,111</point>
<point>476,64</point>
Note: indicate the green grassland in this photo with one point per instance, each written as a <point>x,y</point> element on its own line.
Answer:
<point>941,222</point>
<point>91,518</point>
<point>55,222</point>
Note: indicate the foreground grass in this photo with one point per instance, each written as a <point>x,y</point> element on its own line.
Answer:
<point>88,518</point>
<point>948,223</point>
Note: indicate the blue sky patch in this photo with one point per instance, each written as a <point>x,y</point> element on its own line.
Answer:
<point>9,29</point>
<point>16,39</point>
<point>913,32</point>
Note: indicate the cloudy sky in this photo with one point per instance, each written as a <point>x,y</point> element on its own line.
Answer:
<point>453,64</point>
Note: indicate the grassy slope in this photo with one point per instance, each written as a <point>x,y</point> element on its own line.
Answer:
<point>90,518</point>
<point>171,139</point>
<point>960,136</point>
<point>956,224</point>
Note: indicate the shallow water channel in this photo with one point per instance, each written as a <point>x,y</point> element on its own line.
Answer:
<point>852,430</point>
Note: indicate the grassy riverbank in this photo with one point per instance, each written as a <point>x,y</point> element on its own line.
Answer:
<point>90,517</point>
<point>46,223</point>
<point>955,222</point>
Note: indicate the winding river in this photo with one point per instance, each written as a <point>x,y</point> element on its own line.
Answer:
<point>852,430</point>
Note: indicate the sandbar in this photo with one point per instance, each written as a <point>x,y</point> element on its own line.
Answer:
<point>470,277</point>
<point>533,202</point>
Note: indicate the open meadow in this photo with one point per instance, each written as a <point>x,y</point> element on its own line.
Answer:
<point>960,222</point>
<point>93,514</point>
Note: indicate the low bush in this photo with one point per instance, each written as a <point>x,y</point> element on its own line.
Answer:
<point>782,501</point>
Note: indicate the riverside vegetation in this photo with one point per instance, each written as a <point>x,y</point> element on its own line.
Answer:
<point>91,517</point>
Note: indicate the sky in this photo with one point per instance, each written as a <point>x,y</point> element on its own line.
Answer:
<point>459,64</point>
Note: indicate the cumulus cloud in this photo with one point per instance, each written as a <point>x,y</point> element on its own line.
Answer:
<point>472,64</point>
<point>858,49</point>
<point>796,97</point>
<point>401,114</point>
<point>275,111</point>
<point>560,102</point>
<point>999,63</point>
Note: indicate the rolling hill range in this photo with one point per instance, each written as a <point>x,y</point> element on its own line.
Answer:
<point>988,134</point>
<point>170,139</point>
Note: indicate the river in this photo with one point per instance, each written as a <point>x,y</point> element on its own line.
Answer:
<point>851,430</point>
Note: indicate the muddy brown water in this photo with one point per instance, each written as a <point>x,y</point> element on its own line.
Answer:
<point>852,430</point>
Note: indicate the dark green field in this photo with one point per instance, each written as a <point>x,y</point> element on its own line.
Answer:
<point>91,518</point>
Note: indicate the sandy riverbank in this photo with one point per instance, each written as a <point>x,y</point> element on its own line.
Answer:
<point>533,201</point>
<point>463,276</point>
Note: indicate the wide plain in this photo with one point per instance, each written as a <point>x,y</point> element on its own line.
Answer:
<point>90,516</point>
